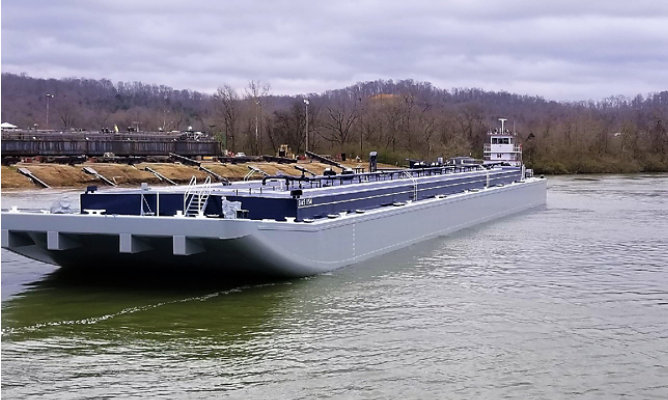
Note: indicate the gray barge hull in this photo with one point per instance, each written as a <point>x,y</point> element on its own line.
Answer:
<point>267,248</point>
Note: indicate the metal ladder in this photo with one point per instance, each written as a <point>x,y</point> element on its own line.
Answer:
<point>196,197</point>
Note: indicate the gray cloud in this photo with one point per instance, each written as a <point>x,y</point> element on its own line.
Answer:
<point>562,50</point>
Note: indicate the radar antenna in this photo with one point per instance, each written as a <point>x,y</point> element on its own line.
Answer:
<point>502,121</point>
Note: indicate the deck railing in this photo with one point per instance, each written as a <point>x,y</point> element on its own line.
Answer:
<point>487,148</point>
<point>367,177</point>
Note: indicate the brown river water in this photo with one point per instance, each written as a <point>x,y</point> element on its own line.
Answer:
<point>566,301</point>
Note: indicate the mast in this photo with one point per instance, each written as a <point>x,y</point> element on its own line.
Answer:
<point>502,121</point>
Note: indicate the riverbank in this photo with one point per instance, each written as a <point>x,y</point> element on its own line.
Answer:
<point>599,166</point>
<point>64,176</point>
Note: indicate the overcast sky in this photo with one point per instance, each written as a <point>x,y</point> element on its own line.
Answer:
<point>560,50</point>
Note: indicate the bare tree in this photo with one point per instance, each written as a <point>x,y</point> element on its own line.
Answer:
<point>67,114</point>
<point>255,91</point>
<point>227,106</point>
<point>470,122</point>
<point>340,119</point>
<point>288,127</point>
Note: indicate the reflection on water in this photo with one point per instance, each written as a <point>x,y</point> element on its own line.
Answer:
<point>566,301</point>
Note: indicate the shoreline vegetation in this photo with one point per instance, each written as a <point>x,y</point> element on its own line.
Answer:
<point>400,120</point>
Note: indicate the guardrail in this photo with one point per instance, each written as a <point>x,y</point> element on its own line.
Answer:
<point>487,148</point>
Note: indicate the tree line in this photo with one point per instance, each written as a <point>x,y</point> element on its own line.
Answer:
<point>399,119</point>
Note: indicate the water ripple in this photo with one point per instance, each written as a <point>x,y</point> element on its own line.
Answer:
<point>569,301</point>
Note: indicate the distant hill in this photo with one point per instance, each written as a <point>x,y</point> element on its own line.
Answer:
<point>400,119</point>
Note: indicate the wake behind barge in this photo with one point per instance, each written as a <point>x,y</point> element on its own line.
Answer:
<point>278,226</point>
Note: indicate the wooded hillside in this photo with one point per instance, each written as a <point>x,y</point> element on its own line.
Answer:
<point>402,119</point>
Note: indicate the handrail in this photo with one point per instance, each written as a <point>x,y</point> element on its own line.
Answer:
<point>144,202</point>
<point>204,193</point>
<point>415,185</point>
<point>253,170</point>
<point>191,185</point>
<point>287,178</point>
<point>375,176</point>
<point>487,148</point>
<point>199,192</point>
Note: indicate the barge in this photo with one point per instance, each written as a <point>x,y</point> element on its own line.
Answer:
<point>279,226</point>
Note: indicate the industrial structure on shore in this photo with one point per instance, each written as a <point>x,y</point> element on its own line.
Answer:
<point>28,143</point>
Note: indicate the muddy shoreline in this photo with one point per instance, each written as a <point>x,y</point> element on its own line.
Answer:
<point>73,176</point>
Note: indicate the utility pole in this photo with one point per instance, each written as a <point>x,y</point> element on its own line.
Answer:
<point>361,126</point>
<point>257,143</point>
<point>306,103</point>
<point>48,97</point>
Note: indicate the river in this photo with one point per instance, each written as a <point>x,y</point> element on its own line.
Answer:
<point>566,301</point>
